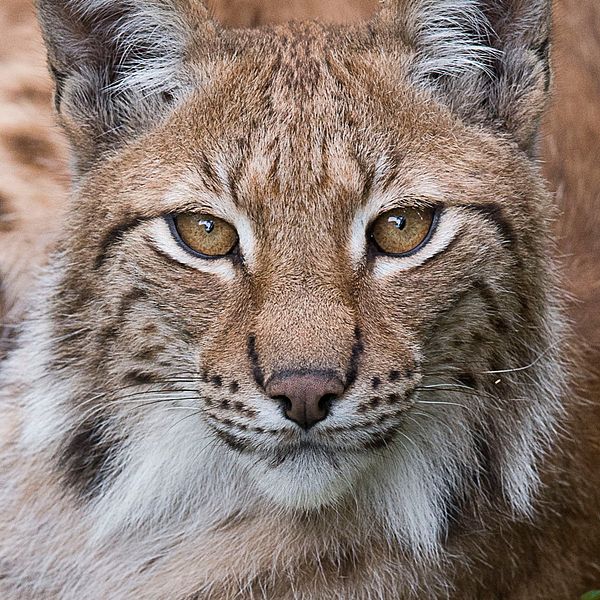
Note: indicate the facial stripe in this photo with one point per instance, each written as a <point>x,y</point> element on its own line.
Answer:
<point>255,361</point>
<point>489,298</point>
<point>495,214</point>
<point>358,349</point>
<point>113,237</point>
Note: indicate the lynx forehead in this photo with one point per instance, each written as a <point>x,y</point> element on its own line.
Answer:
<point>302,304</point>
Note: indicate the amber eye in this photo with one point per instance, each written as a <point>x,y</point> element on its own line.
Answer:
<point>404,230</point>
<point>204,235</point>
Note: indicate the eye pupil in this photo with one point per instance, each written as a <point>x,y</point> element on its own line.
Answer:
<point>208,225</point>
<point>398,222</point>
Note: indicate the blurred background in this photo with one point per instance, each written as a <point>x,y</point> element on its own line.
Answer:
<point>34,177</point>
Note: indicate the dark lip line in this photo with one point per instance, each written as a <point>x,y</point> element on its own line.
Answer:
<point>299,444</point>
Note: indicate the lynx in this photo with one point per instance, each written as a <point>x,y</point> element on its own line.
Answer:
<point>303,334</point>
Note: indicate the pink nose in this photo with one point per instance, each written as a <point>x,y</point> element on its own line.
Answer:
<point>305,396</point>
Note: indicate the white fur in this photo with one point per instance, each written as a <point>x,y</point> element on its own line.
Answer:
<point>445,34</point>
<point>146,22</point>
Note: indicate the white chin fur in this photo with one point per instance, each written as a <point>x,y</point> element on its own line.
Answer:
<point>308,479</point>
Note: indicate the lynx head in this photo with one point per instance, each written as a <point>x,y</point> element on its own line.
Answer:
<point>305,267</point>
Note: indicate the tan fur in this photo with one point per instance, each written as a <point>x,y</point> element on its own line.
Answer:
<point>119,317</point>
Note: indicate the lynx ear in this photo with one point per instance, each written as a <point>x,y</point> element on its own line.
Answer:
<point>489,59</point>
<point>117,64</point>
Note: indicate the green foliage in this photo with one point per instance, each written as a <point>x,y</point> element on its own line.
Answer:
<point>591,596</point>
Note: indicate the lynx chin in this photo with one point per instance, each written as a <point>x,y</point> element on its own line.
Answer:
<point>303,336</point>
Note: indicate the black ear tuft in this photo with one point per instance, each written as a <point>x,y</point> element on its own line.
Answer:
<point>117,64</point>
<point>488,59</point>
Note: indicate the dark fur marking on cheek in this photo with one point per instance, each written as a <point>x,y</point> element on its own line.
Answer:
<point>489,297</point>
<point>234,387</point>
<point>358,349</point>
<point>149,354</point>
<point>488,476</point>
<point>478,338</point>
<point>150,329</point>
<point>60,79</point>
<point>231,441</point>
<point>494,213</point>
<point>394,375</point>
<point>257,371</point>
<point>468,380</point>
<point>149,564</point>
<point>485,481</point>
<point>114,236</point>
<point>375,382</point>
<point>543,53</point>
<point>87,458</point>
<point>108,332</point>
<point>217,381</point>
<point>130,300</point>
<point>141,378</point>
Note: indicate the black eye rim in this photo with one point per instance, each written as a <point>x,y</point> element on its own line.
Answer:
<point>377,251</point>
<point>233,253</point>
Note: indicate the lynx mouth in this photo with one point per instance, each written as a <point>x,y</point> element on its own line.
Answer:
<point>306,449</point>
<point>310,474</point>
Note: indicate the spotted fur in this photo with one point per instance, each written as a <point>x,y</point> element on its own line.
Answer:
<point>141,455</point>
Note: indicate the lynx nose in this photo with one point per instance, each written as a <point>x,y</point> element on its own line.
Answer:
<point>305,397</point>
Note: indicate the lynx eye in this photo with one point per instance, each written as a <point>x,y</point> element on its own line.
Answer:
<point>403,231</point>
<point>204,235</point>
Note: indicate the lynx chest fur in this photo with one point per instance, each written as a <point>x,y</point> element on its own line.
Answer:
<point>302,337</point>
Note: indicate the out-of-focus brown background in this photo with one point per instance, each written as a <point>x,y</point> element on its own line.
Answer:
<point>33,157</point>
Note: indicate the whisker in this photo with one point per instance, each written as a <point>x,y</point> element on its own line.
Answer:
<point>198,413</point>
<point>441,403</point>
<point>530,365</point>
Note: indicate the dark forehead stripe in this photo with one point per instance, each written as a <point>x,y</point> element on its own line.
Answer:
<point>87,458</point>
<point>495,214</point>
<point>114,236</point>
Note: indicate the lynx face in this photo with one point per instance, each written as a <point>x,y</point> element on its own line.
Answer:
<point>303,264</point>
